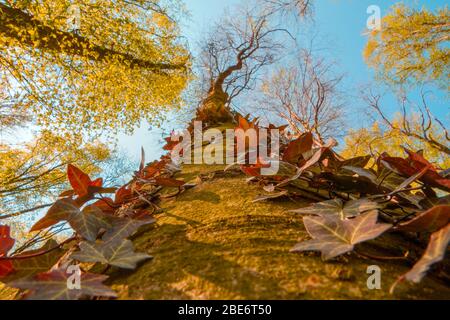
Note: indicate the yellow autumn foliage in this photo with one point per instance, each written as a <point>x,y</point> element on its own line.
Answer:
<point>377,139</point>
<point>36,171</point>
<point>412,45</point>
<point>82,91</point>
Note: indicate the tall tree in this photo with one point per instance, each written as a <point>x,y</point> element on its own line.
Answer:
<point>235,50</point>
<point>88,65</point>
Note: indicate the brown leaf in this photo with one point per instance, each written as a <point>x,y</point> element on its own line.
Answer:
<point>339,208</point>
<point>61,210</point>
<point>115,253</point>
<point>430,220</point>
<point>333,236</point>
<point>435,252</point>
<point>6,244</point>
<point>296,148</point>
<point>53,286</point>
<point>40,263</point>
<point>89,222</point>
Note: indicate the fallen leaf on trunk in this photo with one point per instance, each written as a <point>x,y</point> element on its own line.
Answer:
<point>53,286</point>
<point>119,254</point>
<point>333,236</point>
<point>122,228</point>
<point>337,207</point>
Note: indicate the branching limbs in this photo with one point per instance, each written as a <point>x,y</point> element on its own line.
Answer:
<point>241,44</point>
<point>306,95</point>
<point>424,129</point>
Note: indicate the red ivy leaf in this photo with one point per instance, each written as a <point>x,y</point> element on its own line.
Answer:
<point>418,161</point>
<point>413,165</point>
<point>154,168</point>
<point>6,267</point>
<point>105,204</point>
<point>430,220</point>
<point>122,195</point>
<point>254,170</point>
<point>6,243</point>
<point>296,148</point>
<point>97,182</point>
<point>79,180</point>
<point>53,286</point>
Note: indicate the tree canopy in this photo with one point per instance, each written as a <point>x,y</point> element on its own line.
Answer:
<point>91,66</point>
<point>412,45</point>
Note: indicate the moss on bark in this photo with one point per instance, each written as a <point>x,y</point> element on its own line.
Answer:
<point>212,242</point>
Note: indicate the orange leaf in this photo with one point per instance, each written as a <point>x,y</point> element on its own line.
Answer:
<point>122,194</point>
<point>296,148</point>
<point>6,267</point>
<point>105,204</point>
<point>79,180</point>
<point>6,242</point>
<point>97,182</point>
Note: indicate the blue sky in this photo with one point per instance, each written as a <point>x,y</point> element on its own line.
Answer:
<point>339,25</point>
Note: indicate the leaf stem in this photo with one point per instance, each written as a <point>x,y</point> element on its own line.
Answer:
<point>37,254</point>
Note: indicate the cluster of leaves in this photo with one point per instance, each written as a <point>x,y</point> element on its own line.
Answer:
<point>354,203</point>
<point>101,227</point>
